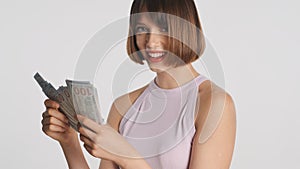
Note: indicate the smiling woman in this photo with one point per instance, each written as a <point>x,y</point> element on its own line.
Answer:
<point>179,120</point>
<point>178,20</point>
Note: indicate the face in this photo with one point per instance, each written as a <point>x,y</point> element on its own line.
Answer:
<point>152,40</point>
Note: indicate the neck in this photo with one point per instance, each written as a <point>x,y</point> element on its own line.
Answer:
<point>175,77</point>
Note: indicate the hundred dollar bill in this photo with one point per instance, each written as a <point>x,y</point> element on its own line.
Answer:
<point>85,100</point>
<point>67,102</point>
<point>61,97</point>
<point>78,97</point>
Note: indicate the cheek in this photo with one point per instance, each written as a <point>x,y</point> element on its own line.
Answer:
<point>165,40</point>
<point>141,43</point>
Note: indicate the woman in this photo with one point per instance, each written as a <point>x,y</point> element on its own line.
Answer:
<point>179,120</point>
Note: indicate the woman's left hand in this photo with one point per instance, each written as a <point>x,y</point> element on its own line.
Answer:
<point>102,141</point>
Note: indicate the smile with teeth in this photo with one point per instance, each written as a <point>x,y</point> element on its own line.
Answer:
<point>156,55</point>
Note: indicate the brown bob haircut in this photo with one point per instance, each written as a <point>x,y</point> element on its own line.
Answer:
<point>185,35</point>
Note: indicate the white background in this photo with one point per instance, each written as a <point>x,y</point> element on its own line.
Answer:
<point>257,43</point>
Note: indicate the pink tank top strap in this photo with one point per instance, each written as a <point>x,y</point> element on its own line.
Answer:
<point>201,78</point>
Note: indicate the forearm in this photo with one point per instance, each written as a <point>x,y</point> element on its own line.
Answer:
<point>74,156</point>
<point>126,163</point>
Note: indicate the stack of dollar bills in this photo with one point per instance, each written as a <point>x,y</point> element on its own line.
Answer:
<point>78,97</point>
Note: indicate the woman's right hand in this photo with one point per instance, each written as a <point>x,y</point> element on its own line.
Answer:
<point>55,124</point>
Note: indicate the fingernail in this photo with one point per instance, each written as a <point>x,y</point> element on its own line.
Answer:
<point>56,105</point>
<point>80,117</point>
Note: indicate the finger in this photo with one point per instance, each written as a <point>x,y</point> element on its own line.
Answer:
<point>89,123</point>
<point>45,114</point>
<point>88,142</point>
<point>89,150</point>
<point>87,133</point>
<point>51,104</point>
<point>53,128</point>
<point>57,114</point>
<point>52,120</point>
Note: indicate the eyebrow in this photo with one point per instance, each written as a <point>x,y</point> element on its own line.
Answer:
<point>139,23</point>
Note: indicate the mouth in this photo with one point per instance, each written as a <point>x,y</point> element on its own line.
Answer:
<point>156,56</point>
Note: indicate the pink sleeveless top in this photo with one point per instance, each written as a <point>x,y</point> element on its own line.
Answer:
<point>160,124</point>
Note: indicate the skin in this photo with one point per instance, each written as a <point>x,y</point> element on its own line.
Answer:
<point>106,143</point>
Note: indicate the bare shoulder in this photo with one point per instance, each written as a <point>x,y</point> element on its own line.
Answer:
<point>215,107</point>
<point>121,105</point>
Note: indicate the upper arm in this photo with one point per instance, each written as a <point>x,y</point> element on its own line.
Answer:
<point>214,140</point>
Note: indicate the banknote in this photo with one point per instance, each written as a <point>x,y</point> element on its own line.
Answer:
<point>78,97</point>
<point>85,100</point>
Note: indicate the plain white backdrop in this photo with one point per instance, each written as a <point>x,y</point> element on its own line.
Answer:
<point>257,43</point>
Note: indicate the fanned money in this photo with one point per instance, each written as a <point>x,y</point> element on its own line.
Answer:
<point>78,97</point>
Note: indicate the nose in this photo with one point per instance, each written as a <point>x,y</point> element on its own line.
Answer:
<point>153,40</point>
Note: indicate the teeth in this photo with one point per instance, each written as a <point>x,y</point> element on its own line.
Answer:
<point>156,55</point>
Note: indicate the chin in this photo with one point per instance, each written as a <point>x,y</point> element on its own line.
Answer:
<point>158,68</point>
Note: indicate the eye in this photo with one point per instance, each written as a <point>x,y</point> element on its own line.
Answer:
<point>164,30</point>
<point>141,29</point>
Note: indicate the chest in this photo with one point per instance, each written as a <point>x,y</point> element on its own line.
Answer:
<point>161,128</point>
